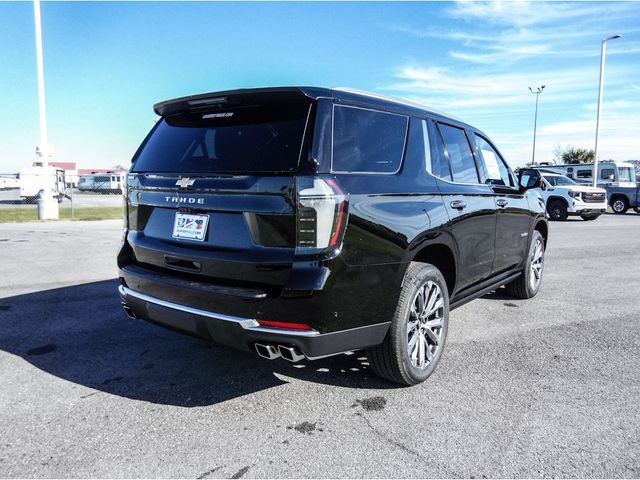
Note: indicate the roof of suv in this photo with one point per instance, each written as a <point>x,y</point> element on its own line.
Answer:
<point>338,94</point>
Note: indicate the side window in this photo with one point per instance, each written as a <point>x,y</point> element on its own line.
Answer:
<point>439,163</point>
<point>415,150</point>
<point>367,141</point>
<point>583,174</point>
<point>496,170</point>
<point>550,180</point>
<point>463,166</point>
<point>606,173</point>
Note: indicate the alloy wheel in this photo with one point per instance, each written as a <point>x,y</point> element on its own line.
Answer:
<point>537,264</point>
<point>424,326</point>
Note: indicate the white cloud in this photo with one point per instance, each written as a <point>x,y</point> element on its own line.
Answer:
<point>506,32</point>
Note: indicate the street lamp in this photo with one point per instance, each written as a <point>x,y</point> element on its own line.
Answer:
<point>537,93</point>
<point>44,150</point>
<point>603,50</point>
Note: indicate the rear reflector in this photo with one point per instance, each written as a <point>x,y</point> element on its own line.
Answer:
<point>284,325</point>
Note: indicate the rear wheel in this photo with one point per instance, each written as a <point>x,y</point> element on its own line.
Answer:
<point>557,210</point>
<point>528,284</point>
<point>619,205</point>
<point>589,217</point>
<point>415,341</point>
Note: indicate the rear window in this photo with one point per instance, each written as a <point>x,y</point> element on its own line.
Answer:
<point>367,141</point>
<point>245,140</point>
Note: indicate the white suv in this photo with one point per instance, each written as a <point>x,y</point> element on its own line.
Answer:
<point>565,197</point>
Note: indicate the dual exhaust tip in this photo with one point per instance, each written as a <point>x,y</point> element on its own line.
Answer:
<point>271,352</point>
<point>127,309</point>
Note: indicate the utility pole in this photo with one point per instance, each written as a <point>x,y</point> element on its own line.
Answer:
<point>537,93</point>
<point>603,51</point>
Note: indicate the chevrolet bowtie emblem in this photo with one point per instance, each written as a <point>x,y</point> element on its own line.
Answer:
<point>185,182</point>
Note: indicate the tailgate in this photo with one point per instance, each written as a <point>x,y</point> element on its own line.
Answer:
<point>247,228</point>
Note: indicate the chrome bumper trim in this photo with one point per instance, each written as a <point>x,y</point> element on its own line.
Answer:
<point>246,323</point>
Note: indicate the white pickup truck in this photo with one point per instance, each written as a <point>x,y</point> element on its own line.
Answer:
<point>565,197</point>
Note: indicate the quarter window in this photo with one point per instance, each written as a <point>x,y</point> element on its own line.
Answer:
<point>463,166</point>
<point>367,141</point>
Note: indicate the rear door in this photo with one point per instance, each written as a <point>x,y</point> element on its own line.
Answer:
<point>469,203</point>
<point>211,193</point>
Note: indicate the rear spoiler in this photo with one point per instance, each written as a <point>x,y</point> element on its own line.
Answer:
<point>230,98</point>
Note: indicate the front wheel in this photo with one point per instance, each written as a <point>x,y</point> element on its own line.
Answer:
<point>557,210</point>
<point>413,346</point>
<point>528,284</point>
<point>589,217</point>
<point>619,205</point>
<point>636,209</point>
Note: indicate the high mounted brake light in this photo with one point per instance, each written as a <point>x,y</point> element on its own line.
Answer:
<point>321,215</point>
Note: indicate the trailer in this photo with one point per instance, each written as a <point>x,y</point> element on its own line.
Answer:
<point>111,182</point>
<point>34,179</point>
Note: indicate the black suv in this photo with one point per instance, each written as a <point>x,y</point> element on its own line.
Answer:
<point>306,222</point>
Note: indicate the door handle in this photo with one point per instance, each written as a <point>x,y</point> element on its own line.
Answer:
<point>458,205</point>
<point>501,202</point>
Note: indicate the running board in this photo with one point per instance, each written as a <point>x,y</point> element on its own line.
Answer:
<point>482,291</point>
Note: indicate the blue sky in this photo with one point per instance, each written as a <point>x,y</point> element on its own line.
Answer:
<point>106,63</point>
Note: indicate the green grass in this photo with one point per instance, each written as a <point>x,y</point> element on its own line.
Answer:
<point>82,213</point>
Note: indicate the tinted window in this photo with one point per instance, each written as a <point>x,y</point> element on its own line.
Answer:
<point>550,180</point>
<point>439,163</point>
<point>583,173</point>
<point>367,141</point>
<point>463,167</point>
<point>253,139</point>
<point>564,181</point>
<point>495,169</point>
<point>415,150</point>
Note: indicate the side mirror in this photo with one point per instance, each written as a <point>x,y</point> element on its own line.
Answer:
<point>529,178</point>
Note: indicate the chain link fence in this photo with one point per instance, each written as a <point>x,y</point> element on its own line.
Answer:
<point>88,197</point>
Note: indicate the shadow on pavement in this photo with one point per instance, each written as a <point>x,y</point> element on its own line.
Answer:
<point>80,333</point>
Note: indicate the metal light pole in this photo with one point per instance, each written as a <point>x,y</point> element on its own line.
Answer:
<point>44,149</point>
<point>603,50</point>
<point>537,93</point>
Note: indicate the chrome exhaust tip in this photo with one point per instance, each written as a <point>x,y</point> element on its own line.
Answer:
<point>292,354</point>
<point>128,311</point>
<point>267,351</point>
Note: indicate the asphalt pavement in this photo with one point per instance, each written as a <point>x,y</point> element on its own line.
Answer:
<point>547,387</point>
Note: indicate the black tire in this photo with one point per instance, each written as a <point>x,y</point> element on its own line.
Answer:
<point>636,209</point>
<point>523,287</point>
<point>589,217</point>
<point>391,359</point>
<point>557,210</point>
<point>620,205</point>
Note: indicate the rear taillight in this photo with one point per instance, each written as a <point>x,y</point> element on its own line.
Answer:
<point>321,215</point>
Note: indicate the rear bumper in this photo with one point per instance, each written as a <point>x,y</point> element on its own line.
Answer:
<point>242,332</point>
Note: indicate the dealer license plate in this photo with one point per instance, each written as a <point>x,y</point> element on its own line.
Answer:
<point>193,227</point>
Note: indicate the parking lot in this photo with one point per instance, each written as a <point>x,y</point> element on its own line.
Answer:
<point>537,388</point>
